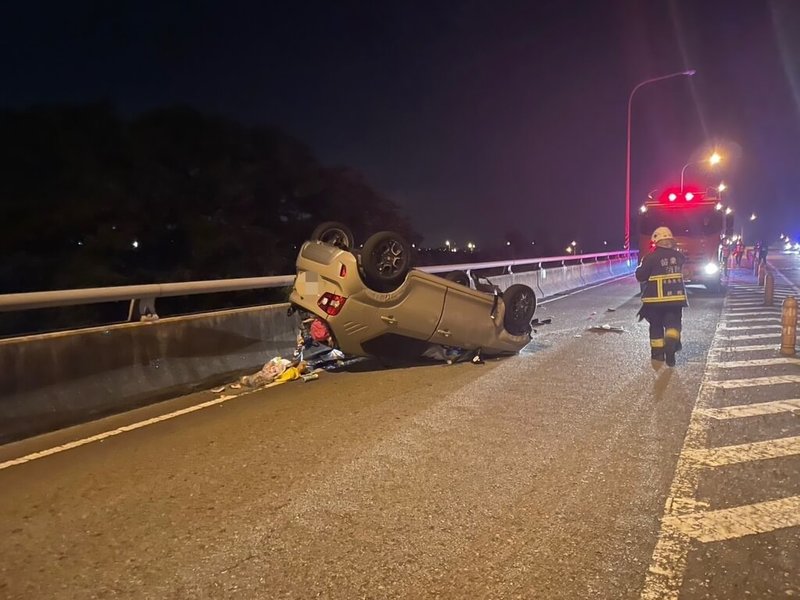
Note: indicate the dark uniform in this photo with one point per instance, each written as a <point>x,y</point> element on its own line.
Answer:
<point>663,300</point>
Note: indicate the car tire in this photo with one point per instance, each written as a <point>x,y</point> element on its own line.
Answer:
<point>334,233</point>
<point>520,304</point>
<point>385,261</point>
<point>459,277</point>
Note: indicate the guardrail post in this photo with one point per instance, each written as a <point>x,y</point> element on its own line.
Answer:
<point>762,273</point>
<point>769,289</point>
<point>142,309</point>
<point>789,326</point>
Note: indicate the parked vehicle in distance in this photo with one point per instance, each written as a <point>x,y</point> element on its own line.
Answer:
<point>375,303</point>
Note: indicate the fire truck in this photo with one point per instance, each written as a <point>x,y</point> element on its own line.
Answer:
<point>701,227</point>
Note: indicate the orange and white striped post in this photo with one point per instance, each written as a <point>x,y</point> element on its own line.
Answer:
<point>789,326</point>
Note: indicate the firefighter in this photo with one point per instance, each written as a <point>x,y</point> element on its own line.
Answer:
<point>664,296</point>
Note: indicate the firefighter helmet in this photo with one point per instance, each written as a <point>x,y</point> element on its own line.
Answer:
<point>661,234</point>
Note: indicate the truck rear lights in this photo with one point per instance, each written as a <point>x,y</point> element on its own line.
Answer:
<point>331,303</point>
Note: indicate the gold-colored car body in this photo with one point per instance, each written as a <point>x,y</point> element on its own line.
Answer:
<point>425,307</point>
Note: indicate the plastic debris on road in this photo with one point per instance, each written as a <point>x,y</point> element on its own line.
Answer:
<point>604,328</point>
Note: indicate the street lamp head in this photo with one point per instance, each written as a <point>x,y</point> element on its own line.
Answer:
<point>714,158</point>
<point>690,72</point>
<point>718,206</point>
<point>728,210</point>
<point>753,217</point>
<point>722,187</point>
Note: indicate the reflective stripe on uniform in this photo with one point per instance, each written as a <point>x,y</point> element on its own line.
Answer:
<point>658,343</point>
<point>664,299</point>
<point>673,333</point>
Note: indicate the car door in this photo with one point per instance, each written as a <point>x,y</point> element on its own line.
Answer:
<point>466,319</point>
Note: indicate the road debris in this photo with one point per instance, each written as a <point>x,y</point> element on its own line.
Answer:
<point>605,328</point>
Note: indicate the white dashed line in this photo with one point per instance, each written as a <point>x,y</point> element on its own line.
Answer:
<point>740,411</point>
<point>731,455</point>
<point>752,348</point>
<point>757,362</point>
<point>732,384</point>
<point>755,336</point>
<point>724,327</point>
<point>733,523</point>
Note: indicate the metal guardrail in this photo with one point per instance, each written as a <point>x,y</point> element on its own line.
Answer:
<point>146,294</point>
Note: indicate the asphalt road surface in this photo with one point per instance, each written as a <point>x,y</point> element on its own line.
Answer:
<point>575,470</point>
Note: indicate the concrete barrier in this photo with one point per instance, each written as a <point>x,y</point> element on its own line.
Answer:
<point>557,280</point>
<point>595,272</point>
<point>55,380</point>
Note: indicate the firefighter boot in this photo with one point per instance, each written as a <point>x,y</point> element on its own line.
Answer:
<point>657,349</point>
<point>672,344</point>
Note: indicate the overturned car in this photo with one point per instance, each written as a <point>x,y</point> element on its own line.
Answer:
<point>374,303</point>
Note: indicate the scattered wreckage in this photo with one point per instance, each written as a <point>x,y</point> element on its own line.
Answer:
<point>372,302</point>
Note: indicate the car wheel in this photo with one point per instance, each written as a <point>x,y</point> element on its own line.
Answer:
<point>386,260</point>
<point>335,234</point>
<point>520,303</point>
<point>459,277</point>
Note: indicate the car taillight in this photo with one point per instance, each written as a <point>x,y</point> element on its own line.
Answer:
<point>343,271</point>
<point>331,303</point>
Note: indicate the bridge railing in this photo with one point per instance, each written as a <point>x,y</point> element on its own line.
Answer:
<point>143,297</point>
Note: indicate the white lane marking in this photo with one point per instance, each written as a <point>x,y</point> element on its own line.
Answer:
<point>724,327</point>
<point>668,563</point>
<point>756,297</point>
<point>756,362</point>
<point>753,410</point>
<point>753,348</point>
<point>740,453</point>
<point>755,336</point>
<point>775,312</point>
<point>732,384</point>
<point>107,434</point>
<point>732,523</point>
<point>775,319</point>
<point>745,307</point>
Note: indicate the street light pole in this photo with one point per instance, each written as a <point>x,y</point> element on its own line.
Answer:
<point>628,151</point>
<point>713,160</point>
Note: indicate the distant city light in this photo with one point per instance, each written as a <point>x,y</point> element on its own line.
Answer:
<point>719,206</point>
<point>569,249</point>
<point>753,217</point>
<point>508,243</point>
<point>643,208</point>
<point>574,243</point>
<point>135,243</point>
<point>728,210</point>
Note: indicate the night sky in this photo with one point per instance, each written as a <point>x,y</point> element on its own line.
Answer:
<point>476,117</point>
